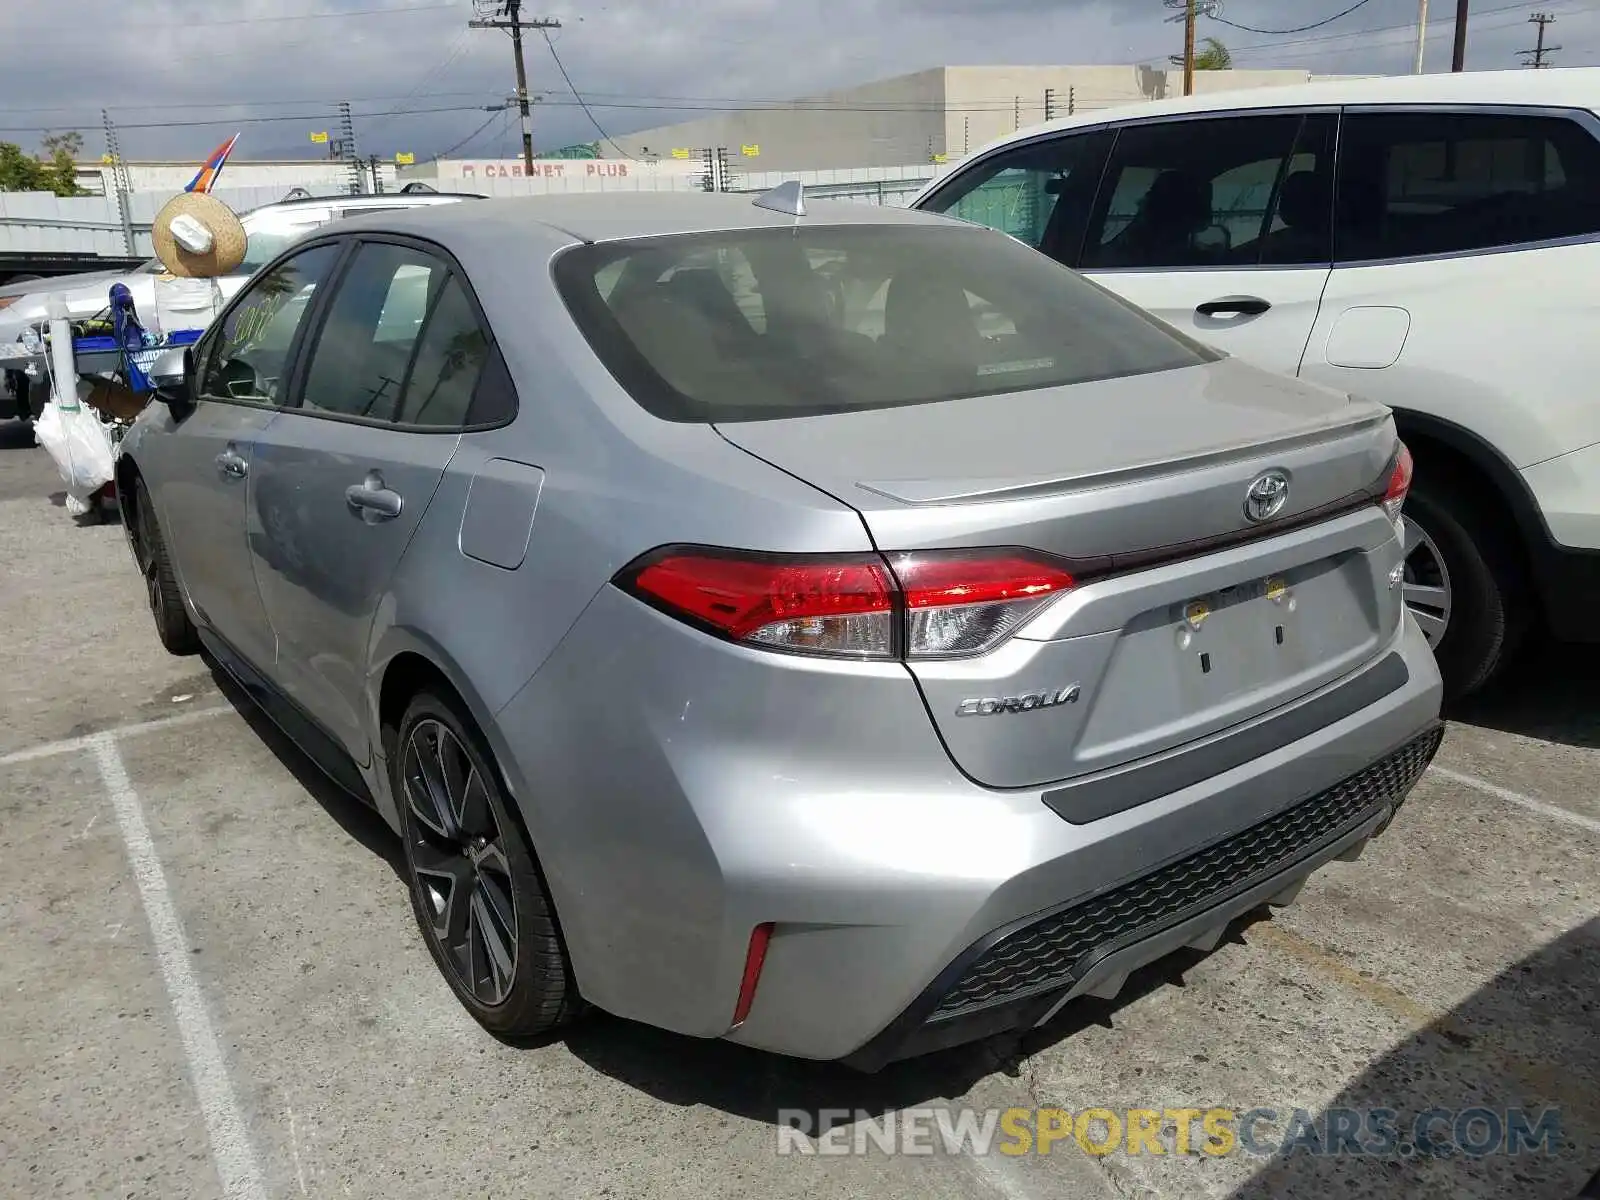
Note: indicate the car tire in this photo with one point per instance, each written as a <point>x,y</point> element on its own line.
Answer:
<point>1476,565</point>
<point>173,627</point>
<point>478,894</point>
<point>22,403</point>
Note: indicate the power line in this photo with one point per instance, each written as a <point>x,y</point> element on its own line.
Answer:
<point>396,11</point>
<point>266,120</point>
<point>497,115</point>
<point>1296,29</point>
<point>560,66</point>
<point>325,101</point>
<point>1409,27</point>
<point>451,53</point>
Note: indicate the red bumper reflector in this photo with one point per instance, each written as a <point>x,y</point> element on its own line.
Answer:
<point>753,960</point>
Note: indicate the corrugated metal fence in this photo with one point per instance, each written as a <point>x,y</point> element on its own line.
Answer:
<point>40,223</point>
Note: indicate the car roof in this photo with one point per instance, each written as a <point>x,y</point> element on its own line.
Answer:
<point>1562,87</point>
<point>613,216</point>
<point>382,200</point>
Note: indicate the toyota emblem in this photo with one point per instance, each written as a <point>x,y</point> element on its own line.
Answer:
<point>1266,497</point>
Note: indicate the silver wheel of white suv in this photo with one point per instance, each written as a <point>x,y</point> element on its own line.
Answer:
<point>1427,583</point>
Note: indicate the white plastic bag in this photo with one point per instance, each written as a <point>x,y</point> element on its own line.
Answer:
<point>78,443</point>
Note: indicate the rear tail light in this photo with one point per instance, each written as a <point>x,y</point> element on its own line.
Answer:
<point>964,604</point>
<point>926,605</point>
<point>842,606</point>
<point>1394,496</point>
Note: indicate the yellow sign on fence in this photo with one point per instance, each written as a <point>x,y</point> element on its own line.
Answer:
<point>320,139</point>
<point>680,152</point>
<point>750,151</point>
<point>404,158</point>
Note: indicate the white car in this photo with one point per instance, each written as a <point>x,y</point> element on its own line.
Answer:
<point>1431,242</point>
<point>268,231</point>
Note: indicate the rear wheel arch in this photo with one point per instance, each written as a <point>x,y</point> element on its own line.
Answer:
<point>406,674</point>
<point>410,674</point>
<point>1482,526</point>
<point>413,669</point>
<point>1464,463</point>
<point>127,480</point>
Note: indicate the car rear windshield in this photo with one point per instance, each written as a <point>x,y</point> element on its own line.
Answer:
<point>751,325</point>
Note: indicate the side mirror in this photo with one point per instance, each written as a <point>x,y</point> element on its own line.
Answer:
<point>170,375</point>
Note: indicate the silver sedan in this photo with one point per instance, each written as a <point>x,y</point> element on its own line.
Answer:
<point>837,629</point>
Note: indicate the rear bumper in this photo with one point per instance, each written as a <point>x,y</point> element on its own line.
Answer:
<point>681,792</point>
<point>1020,976</point>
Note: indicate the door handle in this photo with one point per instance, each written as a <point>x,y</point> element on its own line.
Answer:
<point>374,501</point>
<point>231,464</point>
<point>1245,306</point>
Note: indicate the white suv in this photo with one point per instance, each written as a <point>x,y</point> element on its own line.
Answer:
<point>1431,242</point>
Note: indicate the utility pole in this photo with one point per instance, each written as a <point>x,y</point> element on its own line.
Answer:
<point>507,14</point>
<point>348,151</point>
<point>1188,47</point>
<point>119,180</point>
<point>1458,61</point>
<point>1536,56</point>
<point>1049,104</point>
<point>1422,34</point>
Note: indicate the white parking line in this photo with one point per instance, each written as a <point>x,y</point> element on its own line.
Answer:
<point>230,1144</point>
<point>88,741</point>
<point>1554,811</point>
<point>995,1177</point>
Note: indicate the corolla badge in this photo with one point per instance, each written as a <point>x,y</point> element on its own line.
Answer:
<point>994,706</point>
<point>1266,497</point>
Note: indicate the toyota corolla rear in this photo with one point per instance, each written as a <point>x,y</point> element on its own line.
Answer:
<point>1109,651</point>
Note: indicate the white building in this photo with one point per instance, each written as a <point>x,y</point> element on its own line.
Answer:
<point>928,116</point>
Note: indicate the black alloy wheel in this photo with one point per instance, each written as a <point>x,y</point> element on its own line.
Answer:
<point>173,627</point>
<point>459,863</point>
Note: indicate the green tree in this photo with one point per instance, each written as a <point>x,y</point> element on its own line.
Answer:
<point>22,172</point>
<point>71,141</point>
<point>61,168</point>
<point>1213,57</point>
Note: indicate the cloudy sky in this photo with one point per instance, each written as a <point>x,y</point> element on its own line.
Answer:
<point>180,75</point>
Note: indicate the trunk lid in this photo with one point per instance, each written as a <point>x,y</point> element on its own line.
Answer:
<point>1188,617</point>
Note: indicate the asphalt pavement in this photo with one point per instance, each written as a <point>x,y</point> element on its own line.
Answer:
<point>213,985</point>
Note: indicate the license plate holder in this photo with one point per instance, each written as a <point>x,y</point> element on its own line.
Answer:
<point>1240,637</point>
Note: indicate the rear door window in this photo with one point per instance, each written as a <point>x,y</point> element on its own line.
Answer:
<point>770,323</point>
<point>1424,183</point>
<point>401,343</point>
<point>1039,193</point>
<point>449,362</point>
<point>1223,193</point>
<point>364,348</point>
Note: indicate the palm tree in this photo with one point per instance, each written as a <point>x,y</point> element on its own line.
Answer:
<point>1213,57</point>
